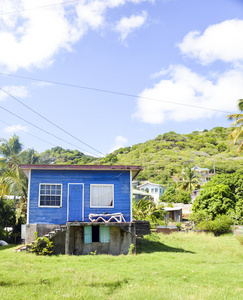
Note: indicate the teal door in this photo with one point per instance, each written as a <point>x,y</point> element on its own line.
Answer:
<point>75,202</point>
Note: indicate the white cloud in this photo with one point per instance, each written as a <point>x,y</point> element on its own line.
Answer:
<point>223,41</point>
<point>120,141</point>
<point>16,91</point>
<point>127,25</point>
<point>15,128</point>
<point>32,37</point>
<point>189,89</point>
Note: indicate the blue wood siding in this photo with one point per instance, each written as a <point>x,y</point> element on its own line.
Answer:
<point>58,215</point>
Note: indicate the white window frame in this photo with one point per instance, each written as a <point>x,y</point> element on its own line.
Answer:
<point>50,206</point>
<point>93,185</point>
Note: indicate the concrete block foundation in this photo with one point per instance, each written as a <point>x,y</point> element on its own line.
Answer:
<point>71,241</point>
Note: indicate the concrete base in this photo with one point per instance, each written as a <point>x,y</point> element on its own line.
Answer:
<point>71,241</point>
<point>122,235</point>
<point>41,230</point>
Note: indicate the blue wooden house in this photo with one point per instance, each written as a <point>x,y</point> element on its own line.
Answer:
<point>90,201</point>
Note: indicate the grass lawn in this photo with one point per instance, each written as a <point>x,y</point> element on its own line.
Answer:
<point>177,266</point>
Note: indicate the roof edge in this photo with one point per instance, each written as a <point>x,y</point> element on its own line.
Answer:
<point>135,169</point>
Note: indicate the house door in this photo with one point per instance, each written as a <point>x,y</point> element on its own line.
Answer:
<point>75,207</point>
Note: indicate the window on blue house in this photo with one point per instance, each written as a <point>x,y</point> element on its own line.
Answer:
<point>102,195</point>
<point>50,195</point>
<point>94,234</point>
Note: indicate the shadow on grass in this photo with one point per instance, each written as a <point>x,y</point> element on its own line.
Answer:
<point>8,247</point>
<point>111,286</point>
<point>147,246</point>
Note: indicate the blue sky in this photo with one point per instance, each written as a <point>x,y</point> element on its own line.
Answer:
<point>179,60</point>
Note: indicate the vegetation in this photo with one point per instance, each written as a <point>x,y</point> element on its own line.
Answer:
<point>168,154</point>
<point>8,219</point>
<point>237,133</point>
<point>176,266</point>
<point>222,195</point>
<point>175,195</point>
<point>41,246</point>
<point>61,156</point>
<point>13,182</point>
<point>220,225</point>
<point>189,180</point>
<point>165,156</point>
<point>147,210</point>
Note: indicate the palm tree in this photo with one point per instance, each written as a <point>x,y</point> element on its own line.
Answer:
<point>147,210</point>
<point>12,180</point>
<point>237,133</point>
<point>189,180</point>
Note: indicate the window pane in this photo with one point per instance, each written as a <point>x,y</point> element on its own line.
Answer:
<point>102,195</point>
<point>50,195</point>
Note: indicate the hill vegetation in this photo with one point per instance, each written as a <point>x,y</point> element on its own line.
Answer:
<point>166,155</point>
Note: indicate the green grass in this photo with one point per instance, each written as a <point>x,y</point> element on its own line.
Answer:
<point>178,266</point>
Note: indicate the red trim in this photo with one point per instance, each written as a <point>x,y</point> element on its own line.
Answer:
<point>134,169</point>
<point>80,167</point>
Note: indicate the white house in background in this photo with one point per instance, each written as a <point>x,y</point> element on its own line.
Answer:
<point>138,195</point>
<point>203,174</point>
<point>156,190</point>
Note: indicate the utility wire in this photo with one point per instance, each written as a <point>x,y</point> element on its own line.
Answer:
<point>50,121</point>
<point>38,7</point>
<point>28,133</point>
<point>39,127</point>
<point>113,92</point>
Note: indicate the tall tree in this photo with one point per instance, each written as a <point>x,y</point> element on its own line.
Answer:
<point>12,180</point>
<point>189,180</point>
<point>237,133</point>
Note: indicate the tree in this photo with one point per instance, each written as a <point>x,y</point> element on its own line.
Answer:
<point>12,180</point>
<point>147,210</point>
<point>175,195</point>
<point>237,133</point>
<point>222,195</point>
<point>189,180</point>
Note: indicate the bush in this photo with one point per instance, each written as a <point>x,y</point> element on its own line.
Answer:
<point>220,225</point>
<point>41,246</point>
<point>198,217</point>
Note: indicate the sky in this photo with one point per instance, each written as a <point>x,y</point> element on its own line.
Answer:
<point>98,75</point>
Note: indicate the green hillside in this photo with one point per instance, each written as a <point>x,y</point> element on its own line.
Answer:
<point>166,155</point>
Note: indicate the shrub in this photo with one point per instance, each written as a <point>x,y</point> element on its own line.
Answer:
<point>198,216</point>
<point>220,225</point>
<point>41,246</point>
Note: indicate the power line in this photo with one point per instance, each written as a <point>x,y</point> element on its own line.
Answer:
<point>27,133</point>
<point>39,7</point>
<point>39,128</point>
<point>114,92</point>
<point>51,122</point>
